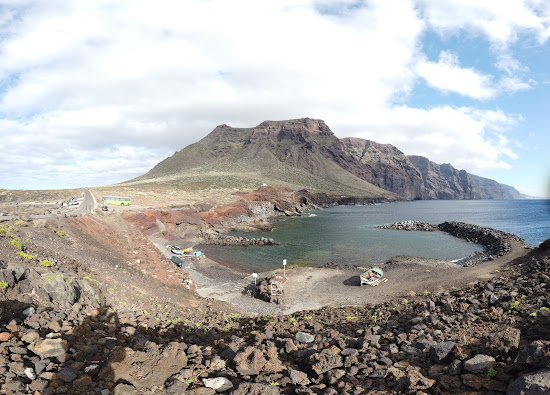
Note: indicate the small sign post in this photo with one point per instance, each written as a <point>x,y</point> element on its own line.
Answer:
<point>255,275</point>
<point>284,267</point>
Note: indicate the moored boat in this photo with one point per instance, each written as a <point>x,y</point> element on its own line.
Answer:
<point>372,276</point>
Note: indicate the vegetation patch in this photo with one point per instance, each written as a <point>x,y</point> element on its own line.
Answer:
<point>3,284</point>
<point>92,279</point>
<point>46,263</point>
<point>234,317</point>
<point>17,243</point>
<point>20,222</point>
<point>49,278</point>
<point>58,231</point>
<point>25,255</point>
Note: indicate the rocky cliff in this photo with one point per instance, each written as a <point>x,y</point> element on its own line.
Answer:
<point>305,154</point>
<point>446,182</point>
<point>383,165</point>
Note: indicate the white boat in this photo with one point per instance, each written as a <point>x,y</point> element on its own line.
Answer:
<point>371,277</point>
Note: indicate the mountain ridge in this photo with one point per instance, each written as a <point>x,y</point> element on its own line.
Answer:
<point>305,154</point>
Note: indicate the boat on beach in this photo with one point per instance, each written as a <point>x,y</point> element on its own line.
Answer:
<point>371,277</point>
<point>177,260</point>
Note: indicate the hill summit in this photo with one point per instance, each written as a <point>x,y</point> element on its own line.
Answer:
<point>305,154</point>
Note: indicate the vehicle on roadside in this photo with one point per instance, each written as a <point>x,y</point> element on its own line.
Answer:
<point>104,208</point>
<point>116,201</point>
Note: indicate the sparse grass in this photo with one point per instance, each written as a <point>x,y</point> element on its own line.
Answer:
<point>351,318</point>
<point>92,279</point>
<point>59,232</point>
<point>46,263</point>
<point>20,223</point>
<point>25,255</point>
<point>3,284</point>
<point>234,317</point>
<point>514,305</point>
<point>16,242</point>
<point>50,278</point>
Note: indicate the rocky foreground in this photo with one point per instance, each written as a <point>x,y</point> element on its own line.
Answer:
<point>493,337</point>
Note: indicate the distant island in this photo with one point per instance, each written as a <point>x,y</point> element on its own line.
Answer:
<point>305,154</point>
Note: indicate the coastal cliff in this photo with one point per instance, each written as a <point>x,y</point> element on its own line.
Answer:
<point>305,154</point>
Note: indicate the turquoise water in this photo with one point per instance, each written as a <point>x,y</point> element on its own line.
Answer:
<point>350,234</point>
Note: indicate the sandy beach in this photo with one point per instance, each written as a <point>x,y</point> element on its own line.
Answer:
<point>313,288</point>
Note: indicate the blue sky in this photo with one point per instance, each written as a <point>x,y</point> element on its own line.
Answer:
<point>93,94</point>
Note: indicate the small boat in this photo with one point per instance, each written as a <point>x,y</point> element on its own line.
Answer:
<point>176,250</point>
<point>177,260</point>
<point>372,276</point>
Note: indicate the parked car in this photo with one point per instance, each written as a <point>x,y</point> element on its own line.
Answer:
<point>104,208</point>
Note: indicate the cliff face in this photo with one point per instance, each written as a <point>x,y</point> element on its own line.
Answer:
<point>304,153</point>
<point>384,166</point>
<point>446,182</point>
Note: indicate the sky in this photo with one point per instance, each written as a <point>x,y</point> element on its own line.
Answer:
<point>95,93</point>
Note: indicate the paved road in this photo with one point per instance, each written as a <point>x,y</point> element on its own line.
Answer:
<point>87,206</point>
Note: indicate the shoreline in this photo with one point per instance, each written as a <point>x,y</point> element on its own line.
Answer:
<point>317,287</point>
<point>309,288</point>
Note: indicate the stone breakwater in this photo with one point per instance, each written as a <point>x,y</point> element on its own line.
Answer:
<point>495,242</point>
<point>488,338</point>
<point>225,240</point>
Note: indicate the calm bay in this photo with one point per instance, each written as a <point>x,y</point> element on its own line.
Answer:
<point>350,235</point>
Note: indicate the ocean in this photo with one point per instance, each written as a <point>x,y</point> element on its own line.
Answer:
<point>350,235</point>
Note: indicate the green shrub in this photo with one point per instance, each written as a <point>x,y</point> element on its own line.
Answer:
<point>25,255</point>
<point>20,222</point>
<point>234,317</point>
<point>17,243</point>
<point>46,263</point>
<point>3,284</point>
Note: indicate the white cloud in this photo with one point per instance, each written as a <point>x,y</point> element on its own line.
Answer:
<point>502,22</point>
<point>448,76</point>
<point>467,138</point>
<point>130,82</point>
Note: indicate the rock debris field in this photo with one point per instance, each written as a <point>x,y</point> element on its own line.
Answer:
<point>68,337</point>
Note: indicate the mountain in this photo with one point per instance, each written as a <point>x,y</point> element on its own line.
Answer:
<point>301,153</point>
<point>446,182</point>
<point>383,165</point>
<point>305,154</point>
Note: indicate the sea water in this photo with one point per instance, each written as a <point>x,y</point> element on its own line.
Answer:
<point>350,235</point>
